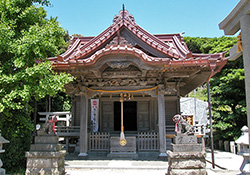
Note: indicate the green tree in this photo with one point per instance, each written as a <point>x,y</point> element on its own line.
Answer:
<point>27,38</point>
<point>229,103</point>
<point>227,88</point>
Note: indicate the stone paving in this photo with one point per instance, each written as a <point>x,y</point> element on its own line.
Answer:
<point>226,164</point>
<point>231,163</point>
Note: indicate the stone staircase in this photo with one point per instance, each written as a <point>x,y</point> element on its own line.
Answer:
<point>113,167</point>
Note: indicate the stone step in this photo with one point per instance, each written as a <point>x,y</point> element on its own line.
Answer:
<point>116,164</point>
<point>121,155</point>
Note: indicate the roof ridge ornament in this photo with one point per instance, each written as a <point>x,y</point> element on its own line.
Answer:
<point>124,15</point>
<point>123,9</point>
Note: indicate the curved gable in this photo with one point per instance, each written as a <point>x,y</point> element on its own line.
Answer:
<point>124,25</point>
<point>161,59</point>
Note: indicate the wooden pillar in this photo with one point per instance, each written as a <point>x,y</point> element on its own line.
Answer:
<point>73,110</point>
<point>84,126</point>
<point>178,110</point>
<point>161,121</point>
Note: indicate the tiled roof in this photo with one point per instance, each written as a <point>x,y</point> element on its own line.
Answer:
<point>87,50</point>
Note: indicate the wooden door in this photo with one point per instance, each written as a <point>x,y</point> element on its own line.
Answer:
<point>143,122</point>
<point>129,115</point>
<point>107,115</point>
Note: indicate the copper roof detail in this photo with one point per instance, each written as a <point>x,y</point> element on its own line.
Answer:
<point>85,51</point>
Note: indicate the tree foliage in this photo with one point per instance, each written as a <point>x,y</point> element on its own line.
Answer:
<point>27,38</point>
<point>209,45</point>
<point>227,88</point>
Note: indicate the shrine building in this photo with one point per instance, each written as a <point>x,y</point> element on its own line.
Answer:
<point>137,79</point>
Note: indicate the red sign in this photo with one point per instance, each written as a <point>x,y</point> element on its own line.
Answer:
<point>94,103</point>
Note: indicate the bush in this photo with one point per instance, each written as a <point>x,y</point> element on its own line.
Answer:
<point>16,127</point>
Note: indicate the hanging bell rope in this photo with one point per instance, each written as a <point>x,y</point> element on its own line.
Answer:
<point>123,141</point>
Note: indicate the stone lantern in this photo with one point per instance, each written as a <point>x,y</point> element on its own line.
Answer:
<point>243,141</point>
<point>2,141</point>
<point>243,149</point>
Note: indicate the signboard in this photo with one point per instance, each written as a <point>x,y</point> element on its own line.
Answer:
<point>188,118</point>
<point>94,114</point>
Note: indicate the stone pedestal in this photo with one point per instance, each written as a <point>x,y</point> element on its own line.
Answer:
<point>45,156</point>
<point>127,151</point>
<point>186,157</point>
<point>245,166</point>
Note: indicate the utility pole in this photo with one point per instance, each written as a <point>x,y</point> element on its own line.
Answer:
<point>211,123</point>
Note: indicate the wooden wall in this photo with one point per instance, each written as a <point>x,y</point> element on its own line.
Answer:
<point>147,113</point>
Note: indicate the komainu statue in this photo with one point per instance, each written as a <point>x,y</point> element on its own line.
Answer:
<point>49,126</point>
<point>182,126</point>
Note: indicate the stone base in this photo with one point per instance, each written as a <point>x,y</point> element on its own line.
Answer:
<point>45,163</point>
<point>45,171</point>
<point>180,139</point>
<point>186,147</point>
<point>2,171</point>
<point>186,163</point>
<point>245,166</point>
<point>188,172</point>
<point>45,147</point>
<point>116,147</point>
<point>46,139</point>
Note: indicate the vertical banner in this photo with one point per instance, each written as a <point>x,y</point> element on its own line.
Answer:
<point>94,113</point>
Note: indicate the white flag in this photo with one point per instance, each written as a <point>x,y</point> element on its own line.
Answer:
<point>94,113</point>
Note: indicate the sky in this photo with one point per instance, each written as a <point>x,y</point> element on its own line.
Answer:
<point>197,18</point>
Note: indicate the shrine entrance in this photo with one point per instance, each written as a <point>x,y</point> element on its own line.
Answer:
<point>130,115</point>
<point>125,63</point>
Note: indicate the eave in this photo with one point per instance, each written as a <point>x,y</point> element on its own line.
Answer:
<point>213,61</point>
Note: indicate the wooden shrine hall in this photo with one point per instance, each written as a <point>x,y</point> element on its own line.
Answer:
<point>130,81</point>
